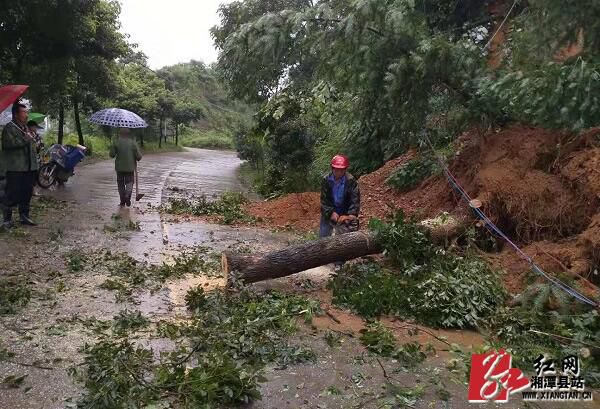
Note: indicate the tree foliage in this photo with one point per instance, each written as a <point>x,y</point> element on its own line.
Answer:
<point>379,55</point>
<point>140,90</point>
<point>51,37</point>
<point>388,64</point>
<point>555,24</point>
<point>197,96</point>
<point>65,51</point>
<point>434,286</point>
<point>254,76</point>
<point>74,54</point>
<point>554,95</point>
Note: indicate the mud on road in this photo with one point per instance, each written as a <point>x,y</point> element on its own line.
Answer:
<point>41,342</point>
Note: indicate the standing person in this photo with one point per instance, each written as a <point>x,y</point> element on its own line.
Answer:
<point>2,180</point>
<point>34,129</point>
<point>126,153</point>
<point>39,146</point>
<point>340,200</point>
<point>18,146</point>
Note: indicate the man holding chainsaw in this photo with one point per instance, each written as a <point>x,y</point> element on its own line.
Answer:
<point>340,200</point>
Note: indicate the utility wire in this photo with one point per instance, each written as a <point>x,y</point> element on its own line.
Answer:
<point>491,226</point>
<point>501,25</point>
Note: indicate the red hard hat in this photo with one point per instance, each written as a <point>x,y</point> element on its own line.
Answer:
<point>340,162</point>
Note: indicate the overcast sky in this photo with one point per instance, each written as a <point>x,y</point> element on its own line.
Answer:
<point>171,31</point>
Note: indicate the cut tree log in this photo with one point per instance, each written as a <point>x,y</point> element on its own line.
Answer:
<point>302,257</point>
<point>291,260</point>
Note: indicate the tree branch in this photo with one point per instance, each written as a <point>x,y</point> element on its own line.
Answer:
<point>335,20</point>
<point>560,337</point>
<point>47,368</point>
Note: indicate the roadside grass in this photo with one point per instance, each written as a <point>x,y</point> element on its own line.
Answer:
<point>211,139</point>
<point>15,293</point>
<point>228,207</point>
<point>99,145</point>
<point>152,147</point>
<point>251,176</point>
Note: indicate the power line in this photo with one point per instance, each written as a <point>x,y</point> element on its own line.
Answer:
<point>501,25</point>
<point>491,226</point>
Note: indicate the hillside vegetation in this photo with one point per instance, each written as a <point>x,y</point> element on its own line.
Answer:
<point>368,77</point>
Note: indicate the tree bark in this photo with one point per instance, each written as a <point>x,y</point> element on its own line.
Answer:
<point>176,134</point>
<point>294,259</point>
<point>165,133</point>
<point>61,122</point>
<point>160,132</point>
<point>78,121</point>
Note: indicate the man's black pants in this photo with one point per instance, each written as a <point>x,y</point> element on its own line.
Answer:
<point>125,185</point>
<point>19,189</point>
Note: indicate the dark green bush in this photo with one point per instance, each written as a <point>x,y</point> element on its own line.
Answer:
<point>412,173</point>
<point>429,284</point>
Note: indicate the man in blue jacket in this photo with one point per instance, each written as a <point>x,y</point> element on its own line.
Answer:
<point>340,199</point>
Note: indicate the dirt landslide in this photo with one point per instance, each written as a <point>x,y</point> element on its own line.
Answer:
<point>301,211</point>
<point>541,187</point>
<point>297,210</point>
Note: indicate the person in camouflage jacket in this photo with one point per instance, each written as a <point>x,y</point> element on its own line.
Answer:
<point>21,166</point>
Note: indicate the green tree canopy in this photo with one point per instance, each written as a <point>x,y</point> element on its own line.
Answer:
<point>65,51</point>
<point>388,69</point>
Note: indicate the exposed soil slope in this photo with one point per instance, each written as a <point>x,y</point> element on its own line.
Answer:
<point>542,188</point>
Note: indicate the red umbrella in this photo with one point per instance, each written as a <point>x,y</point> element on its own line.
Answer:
<point>9,94</point>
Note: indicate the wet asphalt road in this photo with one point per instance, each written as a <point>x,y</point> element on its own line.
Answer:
<point>199,171</point>
<point>93,201</point>
<point>195,172</point>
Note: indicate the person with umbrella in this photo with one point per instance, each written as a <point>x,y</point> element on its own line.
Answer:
<point>21,166</point>
<point>126,153</point>
<point>125,150</point>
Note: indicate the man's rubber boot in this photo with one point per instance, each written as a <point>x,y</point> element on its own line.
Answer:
<point>26,221</point>
<point>7,222</point>
<point>7,225</point>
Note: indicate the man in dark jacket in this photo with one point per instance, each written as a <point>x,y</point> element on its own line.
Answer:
<point>21,165</point>
<point>126,153</point>
<point>340,199</point>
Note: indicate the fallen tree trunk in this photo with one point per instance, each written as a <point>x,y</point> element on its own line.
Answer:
<point>344,247</point>
<point>302,257</point>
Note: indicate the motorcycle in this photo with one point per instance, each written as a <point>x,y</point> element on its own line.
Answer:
<point>58,163</point>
